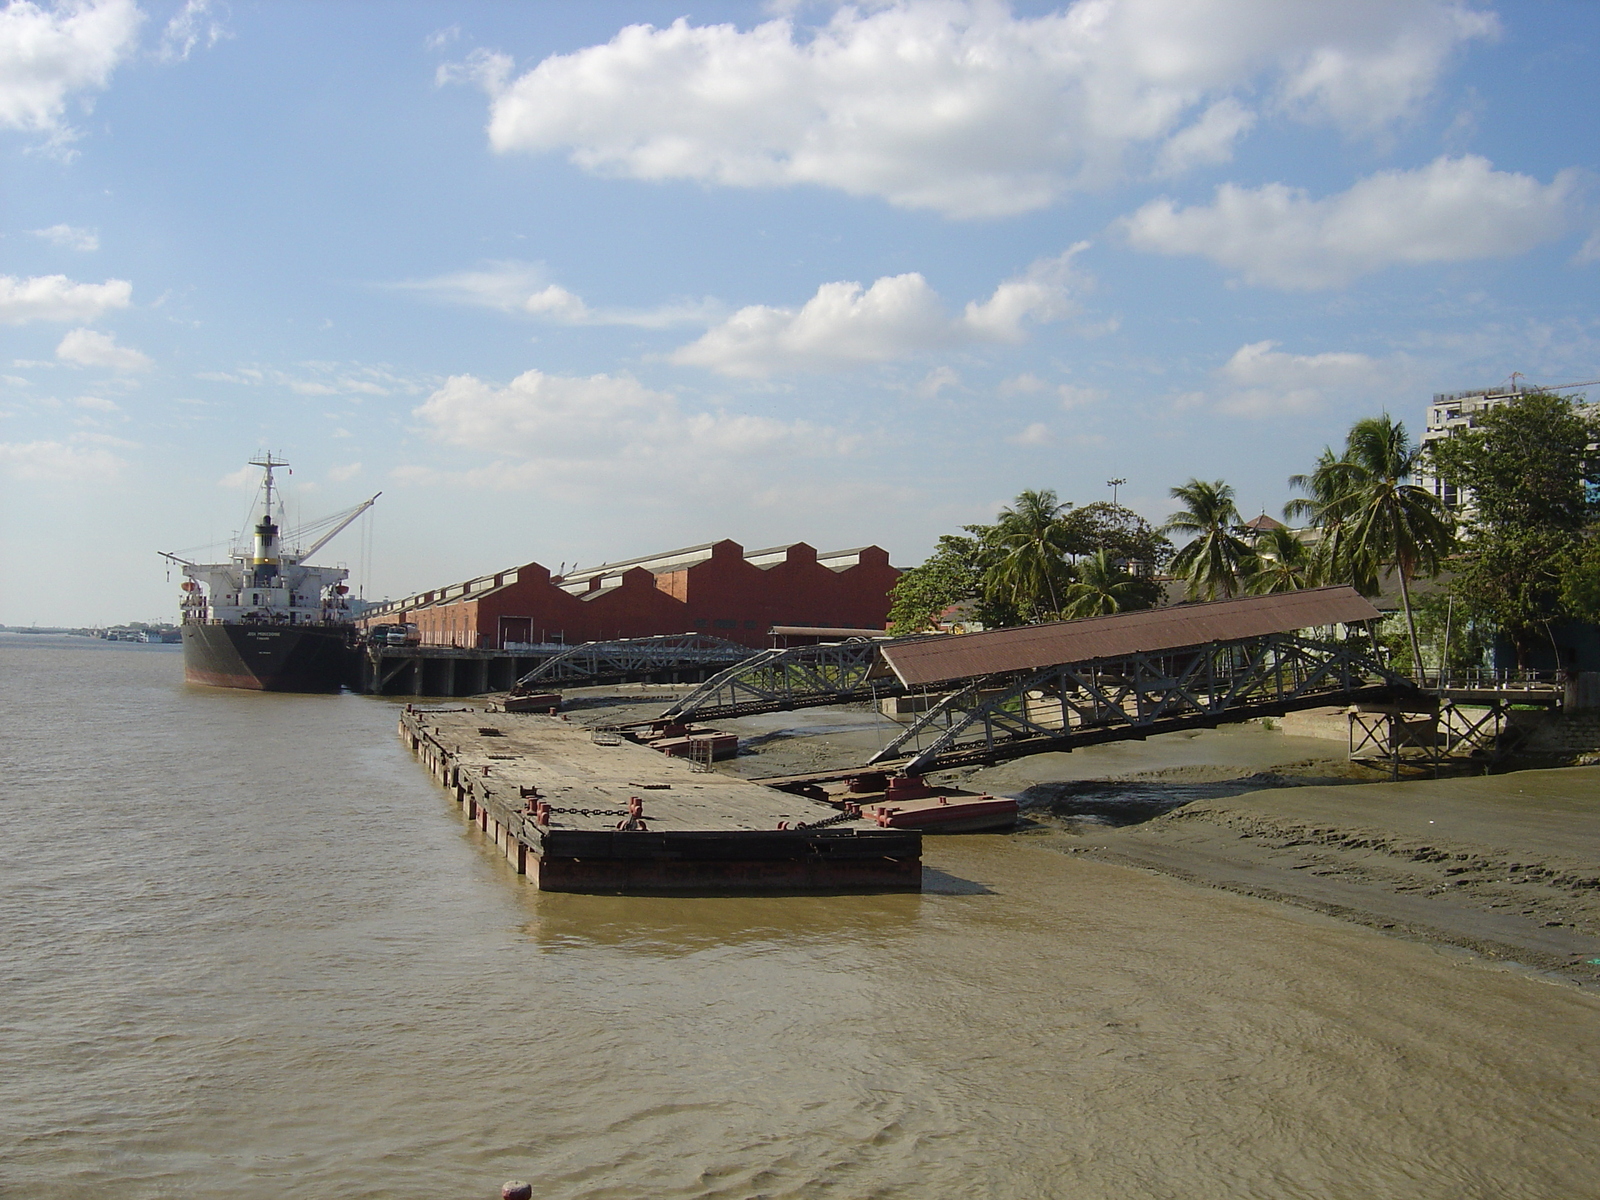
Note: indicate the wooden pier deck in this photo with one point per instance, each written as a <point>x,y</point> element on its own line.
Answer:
<point>551,795</point>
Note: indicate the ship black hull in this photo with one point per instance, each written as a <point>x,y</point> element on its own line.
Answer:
<point>266,658</point>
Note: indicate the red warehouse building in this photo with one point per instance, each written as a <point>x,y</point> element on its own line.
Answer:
<point>716,588</point>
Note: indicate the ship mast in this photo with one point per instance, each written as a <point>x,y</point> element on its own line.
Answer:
<point>267,462</point>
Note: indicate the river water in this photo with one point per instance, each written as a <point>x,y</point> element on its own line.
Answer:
<point>250,950</point>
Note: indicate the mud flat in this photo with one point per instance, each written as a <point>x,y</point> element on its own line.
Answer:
<point>1505,866</point>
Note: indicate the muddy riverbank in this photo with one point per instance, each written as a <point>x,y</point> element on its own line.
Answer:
<point>1505,866</point>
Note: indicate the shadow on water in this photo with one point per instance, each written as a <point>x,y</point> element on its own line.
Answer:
<point>1118,802</point>
<point>673,925</point>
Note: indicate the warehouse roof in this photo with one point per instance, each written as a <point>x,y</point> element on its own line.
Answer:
<point>968,655</point>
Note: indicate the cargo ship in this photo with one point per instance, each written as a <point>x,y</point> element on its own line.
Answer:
<point>265,619</point>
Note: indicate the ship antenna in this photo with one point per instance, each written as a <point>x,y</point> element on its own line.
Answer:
<point>267,462</point>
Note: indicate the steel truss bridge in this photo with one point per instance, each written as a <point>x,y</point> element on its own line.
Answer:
<point>986,697</point>
<point>658,659</point>
<point>780,680</point>
<point>1133,696</point>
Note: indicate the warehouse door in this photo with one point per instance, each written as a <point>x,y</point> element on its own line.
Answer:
<point>515,629</point>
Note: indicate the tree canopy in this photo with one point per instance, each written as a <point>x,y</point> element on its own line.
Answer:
<point>1031,568</point>
<point>1529,552</point>
<point>1026,565</point>
<point>1216,558</point>
<point>1103,588</point>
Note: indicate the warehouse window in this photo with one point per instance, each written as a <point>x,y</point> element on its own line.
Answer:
<point>720,623</point>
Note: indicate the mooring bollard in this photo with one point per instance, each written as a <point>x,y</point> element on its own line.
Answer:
<point>515,1189</point>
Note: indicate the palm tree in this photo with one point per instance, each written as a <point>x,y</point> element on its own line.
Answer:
<point>1327,507</point>
<point>1381,520</point>
<point>1033,546</point>
<point>1103,587</point>
<point>1214,559</point>
<point>1282,563</point>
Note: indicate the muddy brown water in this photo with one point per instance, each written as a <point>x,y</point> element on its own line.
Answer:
<point>250,950</point>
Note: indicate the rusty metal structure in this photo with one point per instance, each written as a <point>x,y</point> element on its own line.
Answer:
<point>666,658</point>
<point>1470,719</point>
<point>781,680</point>
<point>1014,692</point>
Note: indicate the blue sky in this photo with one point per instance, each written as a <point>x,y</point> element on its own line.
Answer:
<point>580,282</point>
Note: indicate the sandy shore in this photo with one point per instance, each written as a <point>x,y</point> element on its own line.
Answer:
<point>1504,866</point>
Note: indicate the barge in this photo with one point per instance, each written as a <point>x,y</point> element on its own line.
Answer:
<point>581,811</point>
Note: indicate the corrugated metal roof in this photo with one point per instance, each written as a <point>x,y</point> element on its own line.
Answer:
<point>967,655</point>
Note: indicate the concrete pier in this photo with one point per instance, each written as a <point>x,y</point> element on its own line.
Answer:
<point>456,671</point>
<point>575,811</point>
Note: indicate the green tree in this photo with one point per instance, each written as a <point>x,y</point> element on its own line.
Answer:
<point>1103,587</point>
<point>1122,533</point>
<point>952,573</point>
<point>1392,523</point>
<point>1327,507</point>
<point>1370,518</point>
<point>1447,633</point>
<point>1580,578</point>
<point>1529,478</point>
<point>1030,569</point>
<point>1215,557</point>
<point>1281,563</point>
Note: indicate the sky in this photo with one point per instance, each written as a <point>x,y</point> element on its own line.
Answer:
<point>571,283</point>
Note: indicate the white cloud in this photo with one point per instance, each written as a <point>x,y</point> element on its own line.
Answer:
<point>1074,395</point>
<point>326,379</point>
<point>964,108</point>
<point>844,325</point>
<point>87,348</point>
<point>483,67</point>
<point>48,54</point>
<point>524,289</point>
<point>57,298</point>
<point>549,430</point>
<point>1268,382</point>
<point>97,404</point>
<point>189,26</point>
<point>1209,140</point>
<point>1026,384</point>
<point>345,473</point>
<point>935,381</point>
<point>77,460</point>
<point>1037,434</point>
<point>1452,210</point>
<point>69,236</point>
<point>440,38</point>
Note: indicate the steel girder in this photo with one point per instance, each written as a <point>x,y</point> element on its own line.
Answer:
<point>602,662</point>
<point>780,680</point>
<point>1054,708</point>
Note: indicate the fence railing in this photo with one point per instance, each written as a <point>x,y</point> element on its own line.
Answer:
<point>1492,679</point>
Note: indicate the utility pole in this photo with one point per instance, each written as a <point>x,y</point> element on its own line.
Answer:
<point>1114,484</point>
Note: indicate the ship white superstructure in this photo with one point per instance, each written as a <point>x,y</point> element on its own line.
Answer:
<point>263,583</point>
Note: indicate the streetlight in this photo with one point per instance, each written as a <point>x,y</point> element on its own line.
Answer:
<point>1114,484</point>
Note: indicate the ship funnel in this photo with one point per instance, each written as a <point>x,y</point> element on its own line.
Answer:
<point>266,543</point>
